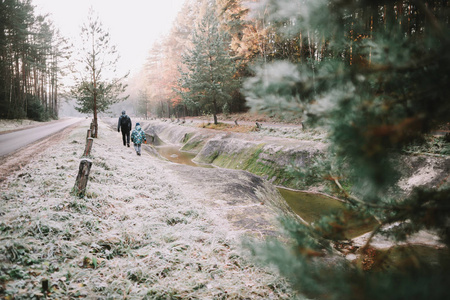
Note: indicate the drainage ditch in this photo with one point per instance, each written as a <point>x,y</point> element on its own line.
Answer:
<point>309,206</point>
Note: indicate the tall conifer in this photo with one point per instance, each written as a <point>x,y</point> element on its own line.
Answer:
<point>209,80</point>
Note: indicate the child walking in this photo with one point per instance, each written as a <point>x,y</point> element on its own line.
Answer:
<point>137,137</point>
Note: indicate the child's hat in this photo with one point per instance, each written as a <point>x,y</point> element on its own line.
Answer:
<point>138,123</point>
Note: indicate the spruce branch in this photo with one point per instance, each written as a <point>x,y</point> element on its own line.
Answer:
<point>352,199</point>
<point>425,153</point>
<point>372,235</point>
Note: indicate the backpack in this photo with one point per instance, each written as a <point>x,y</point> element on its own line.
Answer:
<point>124,121</point>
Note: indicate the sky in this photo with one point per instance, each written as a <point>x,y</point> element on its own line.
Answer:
<point>134,25</point>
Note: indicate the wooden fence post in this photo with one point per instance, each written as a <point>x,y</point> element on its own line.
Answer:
<point>94,133</point>
<point>88,134</point>
<point>87,149</point>
<point>79,188</point>
<point>92,129</point>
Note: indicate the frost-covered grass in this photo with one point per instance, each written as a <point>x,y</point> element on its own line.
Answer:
<point>6,125</point>
<point>317,135</point>
<point>135,235</point>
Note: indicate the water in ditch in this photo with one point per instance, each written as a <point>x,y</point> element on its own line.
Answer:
<point>174,154</point>
<point>312,207</point>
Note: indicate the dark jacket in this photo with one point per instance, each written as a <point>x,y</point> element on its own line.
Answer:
<point>125,126</point>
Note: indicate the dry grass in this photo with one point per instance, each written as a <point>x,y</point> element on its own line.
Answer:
<point>259,117</point>
<point>134,235</point>
<point>291,132</point>
<point>228,127</point>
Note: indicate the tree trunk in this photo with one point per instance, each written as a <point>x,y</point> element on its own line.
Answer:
<point>95,113</point>
<point>215,111</point>
<point>82,179</point>
<point>168,109</point>
<point>94,77</point>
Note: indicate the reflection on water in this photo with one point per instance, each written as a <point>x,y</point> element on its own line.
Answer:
<point>311,207</point>
<point>173,154</point>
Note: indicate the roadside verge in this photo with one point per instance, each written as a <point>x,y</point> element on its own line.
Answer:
<point>144,229</point>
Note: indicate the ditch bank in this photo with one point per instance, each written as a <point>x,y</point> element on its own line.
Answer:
<point>269,157</point>
<point>265,156</point>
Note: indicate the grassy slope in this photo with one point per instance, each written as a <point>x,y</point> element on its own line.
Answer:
<point>134,236</point>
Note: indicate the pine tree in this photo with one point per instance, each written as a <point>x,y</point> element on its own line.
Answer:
<point>209,80</point>
<point>155,77</point>
<point>141,105</point>
<point>376,79</point>
<point>97,59</point>
<point>29,68</point>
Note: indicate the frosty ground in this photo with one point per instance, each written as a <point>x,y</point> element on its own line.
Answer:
<point>141,231</point>
<point>9,125</point>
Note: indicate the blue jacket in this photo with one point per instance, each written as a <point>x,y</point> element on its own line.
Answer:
<point>138,135</point>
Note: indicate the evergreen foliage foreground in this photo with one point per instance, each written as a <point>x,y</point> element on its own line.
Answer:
<point>378,85</point>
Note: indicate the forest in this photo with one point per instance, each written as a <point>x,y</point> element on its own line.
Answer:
<point>32,56</point>
<point>201,66</point>
<point>257,33</point>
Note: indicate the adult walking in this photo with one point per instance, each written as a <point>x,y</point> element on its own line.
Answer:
<point>138,137</point>
<point>124,125</point>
